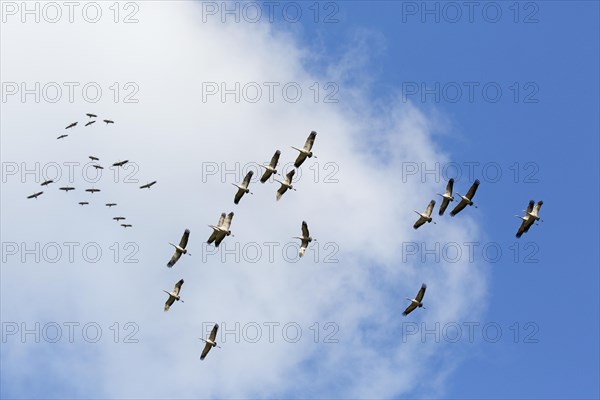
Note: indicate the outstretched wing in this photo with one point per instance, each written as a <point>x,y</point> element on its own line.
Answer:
<point>536,208</point>
<point>525,224</point>
<point>219,238</point>
<point>169,302</point>
<point>290,176</point>
<point>238,196</point>
<point>228,220</point>
<point>266,175</point>
<point>450,186</point>
<point>275,159</point>
<point>247,178</point>
<point>174,259</point>
<point>472,190</point>
<point>184,239</point>
<point>419,222</point>
<point>221,220</point>
<point>280,192</point>
<point>299,160</point>
<point>305,229</point>
<point>459,207</point>
<point>530,207</point>
<point>409,309</point>
<point>212,237</point>
<point>205,351</point>
<point>213,333</point>
<point>421,293</point>
<point>429,209</point>
<point>310,141</point>
<point>444,205</point>
<point>177,288</point>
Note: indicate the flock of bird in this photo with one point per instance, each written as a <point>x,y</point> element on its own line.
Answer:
<point>222,229</point>
<point>97,166</point>
<point>531,216</point>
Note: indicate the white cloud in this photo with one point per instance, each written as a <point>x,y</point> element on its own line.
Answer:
<point>169,134</point>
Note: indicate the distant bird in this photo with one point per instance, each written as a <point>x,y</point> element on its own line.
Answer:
<point>46,183</point>
<point>425,216</point>
<point>285,185</point>
<point>120,163</point>
<point>119,218</point>
<point>447,196</point>
<point>92,190</point>
<point>174,295</point>
<point>91,122</point>
<point>108,121</point>
<point>221,230</point>
<point>306,150</point>
<point>94,158</point>
<point>179,250</point>
<point>83,203</point>
<point>530,217</point>
<point>243,188</point>
<point>466,199</point>
<point>92,115</point>
<point>148,185</point>
<point>126,225</point>
<point>305,239</point>
<point>271,168</point>
<point>66,188</point>
<point>62,136</point>
<point>71,125</point>
<point>211,342</point>
<point>416,302</point>
<point>35,195</point>
<point>98,166</point>
<point>110,204</point>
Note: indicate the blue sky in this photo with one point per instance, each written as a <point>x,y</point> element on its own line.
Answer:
<point>545,145</point>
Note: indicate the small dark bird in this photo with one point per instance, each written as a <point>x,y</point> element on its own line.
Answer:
<point>98,166</point>
<point>46,183</point>
<point>71,125</point>
<point>118,218</point>
<point>62,136</point>
<point>91,122</point>
<point>92,115</point>
<point>66,188</point>
<point>92,190</point>
<point>126,225</point>
<point>120,163</point>
<point>83,203</point>
<point>108,121</point>
<point>35,195</point>
<point>110,204</point>
<point>147,185</point>
<point>417,302</point>
<point>94,158</point>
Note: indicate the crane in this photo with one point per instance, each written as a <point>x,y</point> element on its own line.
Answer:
<point>91,122</point>
<point>120,163</point>
<point>83,203</point>
<point>271,168</point>
<point>66,188</point>
<point>109,121</point>
<point>62,136</point>
<point>243,188</point>
<point>92,115</point>
<point>447,196</point>
<point>285,185</point>
<point>530,217</point>
<point>306,151</point>
<point>46,183</point>
<point>211,342</point>
<point>110,204</point>
<point>148,185</point>
<point>92,190</point>
<point>71,125</point>
<point>425,216</point>
<point>126,226</point>
<point>416,302</point>
<point>174,295</point>
<point>35,195</point>
<point>305,239</point>
<point>466,199</point>
<point>179,250</point>
<point>221,230</point>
